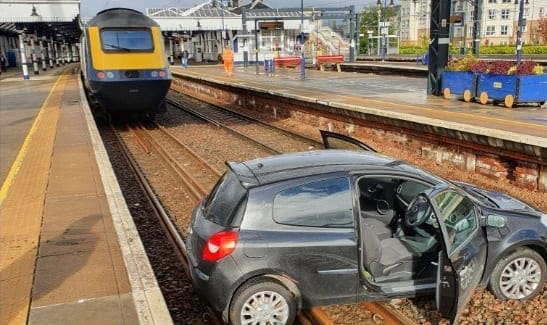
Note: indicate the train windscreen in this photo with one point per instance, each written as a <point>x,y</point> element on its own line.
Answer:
<point>117,40</point>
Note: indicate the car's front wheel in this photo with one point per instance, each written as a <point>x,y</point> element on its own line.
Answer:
<point>263,302</point>
<point>519,275</point>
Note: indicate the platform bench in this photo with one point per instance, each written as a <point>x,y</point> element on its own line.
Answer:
<point>328,60</point>
<point>287,62</point>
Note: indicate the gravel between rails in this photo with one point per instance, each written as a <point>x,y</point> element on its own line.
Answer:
<point>219,147</point>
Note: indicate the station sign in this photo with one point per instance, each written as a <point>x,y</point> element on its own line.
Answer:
<point>457,20</point>
<point>270,25</point>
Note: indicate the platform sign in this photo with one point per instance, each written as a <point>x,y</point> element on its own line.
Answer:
<point>457,20</point>
<point>270,25</point>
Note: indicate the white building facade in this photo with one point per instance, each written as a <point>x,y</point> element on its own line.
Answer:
<point>498,22</point>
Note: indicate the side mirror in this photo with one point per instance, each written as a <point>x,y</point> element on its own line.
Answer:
<point>496,221</point>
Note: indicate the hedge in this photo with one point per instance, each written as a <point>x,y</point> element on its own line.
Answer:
<point>497,49</point>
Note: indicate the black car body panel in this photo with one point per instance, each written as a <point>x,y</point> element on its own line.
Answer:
<point>311,219</point>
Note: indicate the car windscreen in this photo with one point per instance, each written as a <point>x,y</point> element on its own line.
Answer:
<point>126,40</point>
<point>221,206</point>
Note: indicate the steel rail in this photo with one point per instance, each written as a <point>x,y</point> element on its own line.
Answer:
<point>289,133</point>
<point>171,230</point>
<point>194,187</point>
<point>224,126</point>
<point>316,315</point>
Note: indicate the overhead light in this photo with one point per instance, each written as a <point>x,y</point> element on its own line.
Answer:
<point>34,13</point>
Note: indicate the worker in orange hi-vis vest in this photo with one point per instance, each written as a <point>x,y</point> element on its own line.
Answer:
<point>228,60</point>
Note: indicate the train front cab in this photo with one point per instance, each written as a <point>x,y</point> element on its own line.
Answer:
<point>127,70</point>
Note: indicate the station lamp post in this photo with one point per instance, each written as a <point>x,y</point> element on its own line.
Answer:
<point>302,59</point>
<point>520,28</point>
<point>222,30</point>
<point>382,27</point>
<point>369,42</point>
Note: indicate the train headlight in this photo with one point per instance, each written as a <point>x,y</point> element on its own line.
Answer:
<point>162,74</point>
<point>100,75</point>
<point>110,75</point>
<point>154,74</point>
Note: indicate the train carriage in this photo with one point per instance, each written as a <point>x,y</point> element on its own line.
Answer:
<point>124,66</point>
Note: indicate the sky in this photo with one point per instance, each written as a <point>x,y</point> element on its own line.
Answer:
<point>89,8</point>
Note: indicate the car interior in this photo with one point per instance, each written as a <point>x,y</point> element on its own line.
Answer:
<point>398,245</point>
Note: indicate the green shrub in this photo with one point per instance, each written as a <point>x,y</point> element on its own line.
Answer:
<point>416,50</point>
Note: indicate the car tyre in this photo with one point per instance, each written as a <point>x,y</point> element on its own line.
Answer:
<point>519,275</point>
<point>263,302</point>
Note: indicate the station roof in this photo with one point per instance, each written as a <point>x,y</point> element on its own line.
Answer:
<point>58,19</point>
<point>210,8</point>
<point>8,28</point>
<point>16,11</point>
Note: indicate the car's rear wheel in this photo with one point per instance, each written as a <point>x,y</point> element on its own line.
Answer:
<point>263,302</point>
<point>520,275</point>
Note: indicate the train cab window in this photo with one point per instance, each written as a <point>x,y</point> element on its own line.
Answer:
<point>133,40</point>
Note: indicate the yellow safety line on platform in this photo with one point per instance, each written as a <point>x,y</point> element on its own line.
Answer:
<point>22,208</point>
<point>24,148</point>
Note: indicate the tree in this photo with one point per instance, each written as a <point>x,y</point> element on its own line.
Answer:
<point>543,30</point>
<point>369,22</point>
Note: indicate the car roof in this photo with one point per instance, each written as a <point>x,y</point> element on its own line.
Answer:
<point>300,164</point>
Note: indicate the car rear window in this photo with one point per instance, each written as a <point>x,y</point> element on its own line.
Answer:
<point>221,206</point>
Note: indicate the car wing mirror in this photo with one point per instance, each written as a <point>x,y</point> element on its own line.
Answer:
<point>495,221</point>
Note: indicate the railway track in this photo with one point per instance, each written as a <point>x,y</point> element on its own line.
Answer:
<point>225,118</point>
<point>154,137</point>
<point>272,138</point>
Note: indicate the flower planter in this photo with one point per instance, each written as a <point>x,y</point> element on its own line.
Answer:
<point>512,89</point>
<point>459,83</point>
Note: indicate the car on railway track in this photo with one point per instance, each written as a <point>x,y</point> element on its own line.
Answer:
<point>298,230</point>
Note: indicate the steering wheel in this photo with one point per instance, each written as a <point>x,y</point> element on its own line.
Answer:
<point>418,212</point>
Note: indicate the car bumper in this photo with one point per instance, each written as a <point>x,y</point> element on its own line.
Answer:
<point>217,285</point>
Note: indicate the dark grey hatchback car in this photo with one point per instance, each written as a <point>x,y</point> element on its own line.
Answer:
<point>293,231</point>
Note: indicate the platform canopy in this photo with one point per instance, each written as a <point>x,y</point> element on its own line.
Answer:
<point>207,16</point>
<point>16,11</point>
<point>52,19</point>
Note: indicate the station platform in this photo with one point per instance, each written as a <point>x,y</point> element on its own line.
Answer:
<point>69,251</point>
<point>389,96</point>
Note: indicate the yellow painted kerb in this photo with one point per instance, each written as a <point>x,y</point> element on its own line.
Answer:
<point>24,148</point>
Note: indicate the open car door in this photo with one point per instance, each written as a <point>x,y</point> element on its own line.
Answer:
<point>333,140</point>
<point>461,262</point>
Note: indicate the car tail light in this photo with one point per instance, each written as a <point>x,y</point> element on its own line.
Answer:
<point>162,74</point>
<point>220,245</point>
<point>100,75</point>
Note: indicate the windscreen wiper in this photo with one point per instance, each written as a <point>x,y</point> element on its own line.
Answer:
<point>118,47</point>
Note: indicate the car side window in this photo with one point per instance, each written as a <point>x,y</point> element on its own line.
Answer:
<point>459,216</point>
<point>324,203</point>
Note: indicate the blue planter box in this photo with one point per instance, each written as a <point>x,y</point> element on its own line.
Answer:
<point>459,83</point>
<point>512,88</point>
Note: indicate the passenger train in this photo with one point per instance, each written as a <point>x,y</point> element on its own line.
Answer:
<point>124,66</point>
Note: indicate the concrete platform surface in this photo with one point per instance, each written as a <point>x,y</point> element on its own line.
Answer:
<point>69,251</point>
<point>390,96</point>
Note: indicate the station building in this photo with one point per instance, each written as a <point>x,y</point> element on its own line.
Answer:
<point>39,35</point>
<point>254,30</point>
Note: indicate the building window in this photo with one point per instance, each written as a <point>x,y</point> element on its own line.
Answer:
<point>472,15</point>
<point>504,30</point>
<point>505,14</point>
<point>470,30</point>
<point>490,30</point>
<point>505,1</point>
<point>492,1</point>
<point>491,14</point>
